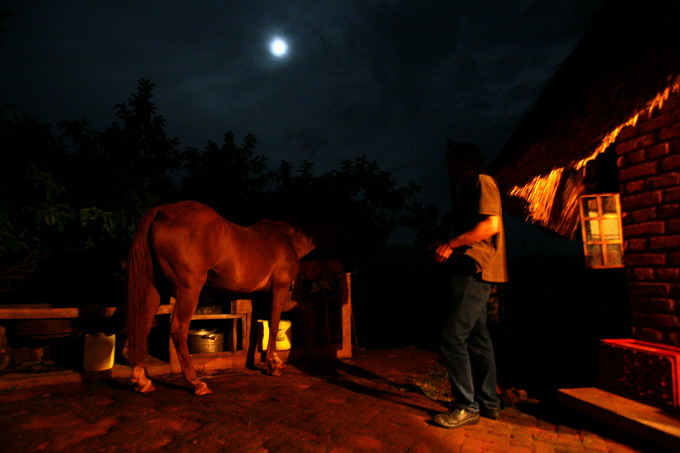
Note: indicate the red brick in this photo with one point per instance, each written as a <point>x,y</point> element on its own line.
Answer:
<point>635,245</point>
<point>669,211</point>
<point>658,320</point>
<point>639,142</point>
<point>665,119</point>
<point>668,133</point>
<point>638,171</point>
<point>647,334</point>
<point>674,258</point>
<point>674,226</point>
<point>640,273</point>
<point>652,304</point>
<point>668,274</point>
<point>644,229</point>
<point>672,103</point>
<point>671,162</point>
<point>643,215</point>
<point>672,338</point>
<point>632,158</point>
<point>665,242</point>
<point>627,133</point>
<point>645,259</point>
<point>649,289</point>
<point>664,180</point>
<point>633,186</point>
<point>671,194</point>
<point>675,146</point>
<point>658,305</point>
<point>656,151</point>
<point>643,200</point>
<point>675,290</point>
<point>639,303</point>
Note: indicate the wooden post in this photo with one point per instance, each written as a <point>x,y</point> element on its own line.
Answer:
<point>346,311</point>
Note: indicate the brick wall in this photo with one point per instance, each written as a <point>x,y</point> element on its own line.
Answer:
<point>648,158</point>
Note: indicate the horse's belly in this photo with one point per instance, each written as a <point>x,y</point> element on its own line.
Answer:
<point>238,283</point>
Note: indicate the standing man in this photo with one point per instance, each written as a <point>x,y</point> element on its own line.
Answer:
<point>476,255</point>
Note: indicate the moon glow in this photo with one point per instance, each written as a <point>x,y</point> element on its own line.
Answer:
<point>278,47</point>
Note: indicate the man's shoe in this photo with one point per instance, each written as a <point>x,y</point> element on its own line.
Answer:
<point>493,413</point>
<point>456,418</point>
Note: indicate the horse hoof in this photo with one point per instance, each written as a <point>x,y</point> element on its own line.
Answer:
<point>274,372</point>
<point>146,388</point>
<point>202,389</point>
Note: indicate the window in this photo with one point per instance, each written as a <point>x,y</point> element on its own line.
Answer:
<point>602,231</point>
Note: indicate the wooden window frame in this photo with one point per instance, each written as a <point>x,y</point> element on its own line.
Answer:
<point>588,219</point>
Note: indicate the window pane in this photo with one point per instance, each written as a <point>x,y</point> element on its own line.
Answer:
<point>614,255</point>
<point>610,229</point>
<point>594,255</point>
<point>609,205</point>
<point>592,230</point>
<point>590,206</point>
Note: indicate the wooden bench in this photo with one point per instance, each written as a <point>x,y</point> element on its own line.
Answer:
<point>241,324</point>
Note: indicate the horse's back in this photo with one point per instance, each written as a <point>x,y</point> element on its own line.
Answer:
<point>188,232</point>
<point>183,211</point>
<point>192,237</point>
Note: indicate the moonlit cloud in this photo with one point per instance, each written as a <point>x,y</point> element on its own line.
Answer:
<point>387,79</point>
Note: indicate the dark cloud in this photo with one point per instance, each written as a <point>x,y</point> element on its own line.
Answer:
<point>387,79</point>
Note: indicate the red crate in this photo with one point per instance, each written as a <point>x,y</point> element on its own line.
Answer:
<point>640,370</point>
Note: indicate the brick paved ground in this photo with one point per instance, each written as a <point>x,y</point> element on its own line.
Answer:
<point>362,405</point>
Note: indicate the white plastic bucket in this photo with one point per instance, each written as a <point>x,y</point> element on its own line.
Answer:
<point>283,336</point>
<point>99,351</point>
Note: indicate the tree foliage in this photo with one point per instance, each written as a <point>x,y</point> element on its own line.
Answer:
<point>71,196</point>
<point>229,178</point>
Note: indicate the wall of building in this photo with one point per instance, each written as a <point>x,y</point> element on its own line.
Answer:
<point>648,158</point>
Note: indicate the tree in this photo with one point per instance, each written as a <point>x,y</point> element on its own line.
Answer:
<point>70,205</point>
<point>353,209</point>
<point>33,213</point>
<point>230,178</point>
<point>67,213</point>
<point>119,174</point>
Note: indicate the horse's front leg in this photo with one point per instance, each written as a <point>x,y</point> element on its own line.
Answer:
<point>185,306</point>
<point>280,297</point>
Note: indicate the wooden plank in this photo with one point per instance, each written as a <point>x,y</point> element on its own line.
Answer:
<point>346,317</point>
<point>220,316</point>
<point>630,416</point>
<point>67,312</point>
<point>55,313</point>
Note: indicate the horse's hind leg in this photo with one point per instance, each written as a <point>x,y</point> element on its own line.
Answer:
<point>137,342</point>
<point>187,300</point>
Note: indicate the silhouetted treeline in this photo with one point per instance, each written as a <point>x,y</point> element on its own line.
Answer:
<point>71,196</point>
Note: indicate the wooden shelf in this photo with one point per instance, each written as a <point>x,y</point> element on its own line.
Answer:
<point>40,311</point>
<point>239,331</point>
<point>218,316</point>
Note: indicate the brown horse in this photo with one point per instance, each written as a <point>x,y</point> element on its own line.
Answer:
<point>179,247</point>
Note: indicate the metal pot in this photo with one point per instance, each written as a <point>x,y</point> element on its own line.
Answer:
<point>205,340</point>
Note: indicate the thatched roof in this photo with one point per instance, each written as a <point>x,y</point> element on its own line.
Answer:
<point>628,56</point>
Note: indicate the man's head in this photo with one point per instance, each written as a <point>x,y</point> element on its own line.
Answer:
<point>463,161</point>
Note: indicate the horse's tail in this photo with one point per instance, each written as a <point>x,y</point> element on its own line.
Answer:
<point>140,280</point>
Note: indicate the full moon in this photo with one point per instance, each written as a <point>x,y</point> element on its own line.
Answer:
<point>278,47</point>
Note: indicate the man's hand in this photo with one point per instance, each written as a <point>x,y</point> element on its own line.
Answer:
<point>485,228</point>
<point>442,251</point>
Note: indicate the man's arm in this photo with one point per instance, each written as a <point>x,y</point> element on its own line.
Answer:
<point>483,229</point>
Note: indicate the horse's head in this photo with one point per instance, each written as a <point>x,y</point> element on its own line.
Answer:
<point>302,243</point>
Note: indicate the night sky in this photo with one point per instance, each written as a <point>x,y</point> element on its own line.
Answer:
<point>391,80</point>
